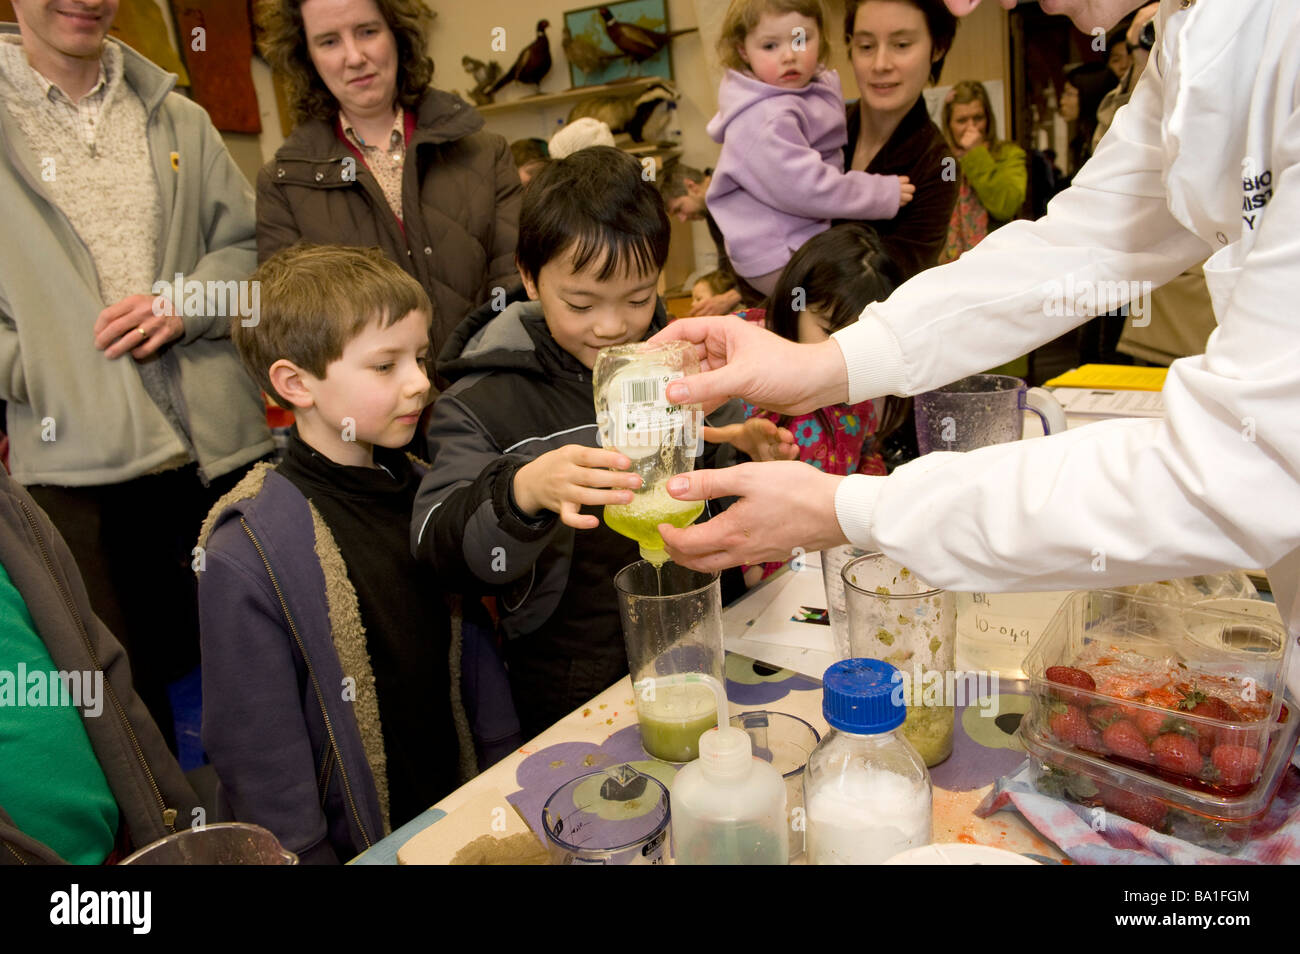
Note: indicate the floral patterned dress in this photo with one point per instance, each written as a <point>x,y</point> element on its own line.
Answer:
<point>847,447</point>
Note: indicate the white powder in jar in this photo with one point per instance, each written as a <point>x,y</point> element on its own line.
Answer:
<point>866,817</point>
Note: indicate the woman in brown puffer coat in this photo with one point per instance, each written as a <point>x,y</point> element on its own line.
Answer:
<point>379,157</point>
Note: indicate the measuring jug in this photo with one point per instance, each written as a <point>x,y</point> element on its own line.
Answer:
<point>980,410</point>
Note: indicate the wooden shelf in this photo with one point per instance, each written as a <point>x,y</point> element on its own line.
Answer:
<point>573,95</point>
<point>665,150</point>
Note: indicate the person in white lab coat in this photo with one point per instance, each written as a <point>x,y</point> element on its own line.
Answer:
<point>1204,162</point>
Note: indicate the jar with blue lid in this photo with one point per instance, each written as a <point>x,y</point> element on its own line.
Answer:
<point>867,793</point>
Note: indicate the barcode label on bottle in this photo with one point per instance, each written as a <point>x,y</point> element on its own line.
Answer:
<point>643,391</point>
<point>642,420</point>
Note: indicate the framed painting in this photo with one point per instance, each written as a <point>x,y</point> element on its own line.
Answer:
<point>605,62</point>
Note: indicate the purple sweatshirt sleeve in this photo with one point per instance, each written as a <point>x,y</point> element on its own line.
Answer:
<point>789,175</point>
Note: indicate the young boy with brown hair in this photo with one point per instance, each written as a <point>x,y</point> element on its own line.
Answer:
<point>331,705</point>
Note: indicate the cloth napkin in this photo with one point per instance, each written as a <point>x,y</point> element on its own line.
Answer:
<point>1092,837</point>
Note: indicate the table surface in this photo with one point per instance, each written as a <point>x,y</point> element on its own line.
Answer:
<point>604,733</point>
<point>761,674</point>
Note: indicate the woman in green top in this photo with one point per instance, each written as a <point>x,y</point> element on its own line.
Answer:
<point>994,175</point>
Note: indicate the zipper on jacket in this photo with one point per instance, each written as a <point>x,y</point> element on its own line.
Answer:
<point>323,777</point>
<point>379,207</point>
<point>315,683</point>
<point>172,382</point>
<point>10,849</point>
<point>168,814</point>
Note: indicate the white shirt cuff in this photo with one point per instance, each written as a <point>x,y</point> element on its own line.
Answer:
<point>855,507</point>
<point>873,358</point>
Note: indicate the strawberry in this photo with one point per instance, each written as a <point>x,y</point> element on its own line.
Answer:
<point>1151,722</point>
<point>1208,707</point>
<point>1102,716</point>
<point>1177,753</point>
<point>1212,708</point>
<point>1070,726</point>
<point>1237,764</point>
<point>1069,676</point>
<point>1140,808</point>
<point>1124,740</point>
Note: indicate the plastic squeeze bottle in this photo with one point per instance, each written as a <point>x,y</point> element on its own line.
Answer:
<point>728,808</point>
<point>867,794</point>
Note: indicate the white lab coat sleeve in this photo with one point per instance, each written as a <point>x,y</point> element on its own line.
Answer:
<point>1007,296</point>
<point>1214,485</point>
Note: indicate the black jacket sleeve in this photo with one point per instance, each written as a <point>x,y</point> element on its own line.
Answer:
<point>465,523</point>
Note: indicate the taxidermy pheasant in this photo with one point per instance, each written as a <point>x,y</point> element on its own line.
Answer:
<point>532,65</point>
<point>637,42</point>
<point>585,55</point>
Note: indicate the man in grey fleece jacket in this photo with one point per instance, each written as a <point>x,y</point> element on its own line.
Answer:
<point>128,414</point>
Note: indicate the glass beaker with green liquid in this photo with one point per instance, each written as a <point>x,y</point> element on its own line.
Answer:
<point>661,440</point>
<point>672,625</point>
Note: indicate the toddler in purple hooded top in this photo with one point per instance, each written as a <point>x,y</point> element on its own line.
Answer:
<point>780,178</point>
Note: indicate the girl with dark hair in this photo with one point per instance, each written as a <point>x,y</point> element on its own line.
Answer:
<point>380,157</point>
<point>1084,88</point>
<point>824,288</point>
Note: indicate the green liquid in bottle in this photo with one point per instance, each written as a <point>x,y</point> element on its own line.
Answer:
<point>640,519</point>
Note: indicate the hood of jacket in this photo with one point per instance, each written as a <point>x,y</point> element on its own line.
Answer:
<point>515,339</point>
<point>743,95</point>
<point>441,117</point>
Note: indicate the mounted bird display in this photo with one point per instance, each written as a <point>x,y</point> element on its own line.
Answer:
<point>484,75</point>
<point>532,65</point>
<point>636,41</point>
<point>642,114</point>
<point>585,55</point>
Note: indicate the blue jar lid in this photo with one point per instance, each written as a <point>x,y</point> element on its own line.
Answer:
<point>858,696</point>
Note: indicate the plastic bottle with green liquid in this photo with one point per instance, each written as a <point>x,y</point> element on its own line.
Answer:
<point>661,440</point>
